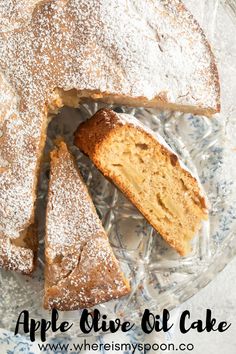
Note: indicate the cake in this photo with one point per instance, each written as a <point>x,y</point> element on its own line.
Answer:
<point>18,232</point>
<point>81,269</point>
<point>148,172</point>
<point>62,52</point>
<point>20,254</point>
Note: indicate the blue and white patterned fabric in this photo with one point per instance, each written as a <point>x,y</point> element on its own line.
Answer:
<point>11,344</point>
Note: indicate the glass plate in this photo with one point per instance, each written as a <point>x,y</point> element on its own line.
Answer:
<point>159,277</point>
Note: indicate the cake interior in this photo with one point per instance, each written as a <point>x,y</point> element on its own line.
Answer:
<point>167,195</point>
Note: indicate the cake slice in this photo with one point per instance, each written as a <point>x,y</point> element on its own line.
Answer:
<point>81,269</point>
<point>148,172</point>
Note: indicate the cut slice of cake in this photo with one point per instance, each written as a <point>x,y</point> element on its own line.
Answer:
<point>148,172</point>
<point>81,269</point>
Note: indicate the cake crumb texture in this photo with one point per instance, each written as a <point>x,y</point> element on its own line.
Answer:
<point>148,172</point>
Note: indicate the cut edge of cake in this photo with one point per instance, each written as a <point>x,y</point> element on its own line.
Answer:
<point>142,165</point>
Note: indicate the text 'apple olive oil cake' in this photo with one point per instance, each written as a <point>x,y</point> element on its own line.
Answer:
<point>148,172</point>
<point>81,269</point>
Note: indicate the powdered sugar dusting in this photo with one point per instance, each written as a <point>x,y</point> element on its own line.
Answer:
<point>18,157</point>
<point>15,13</point>
<point>79,260</point>
<point>72,220</point>
<point>16,258</point>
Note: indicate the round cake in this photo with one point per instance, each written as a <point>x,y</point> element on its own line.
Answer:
<point>55,53</point>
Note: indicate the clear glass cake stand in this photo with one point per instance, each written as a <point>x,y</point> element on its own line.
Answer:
<point>159,277</point>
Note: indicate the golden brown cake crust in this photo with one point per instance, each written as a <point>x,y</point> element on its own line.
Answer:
<point>93,138</point>
<point>81,269</point>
